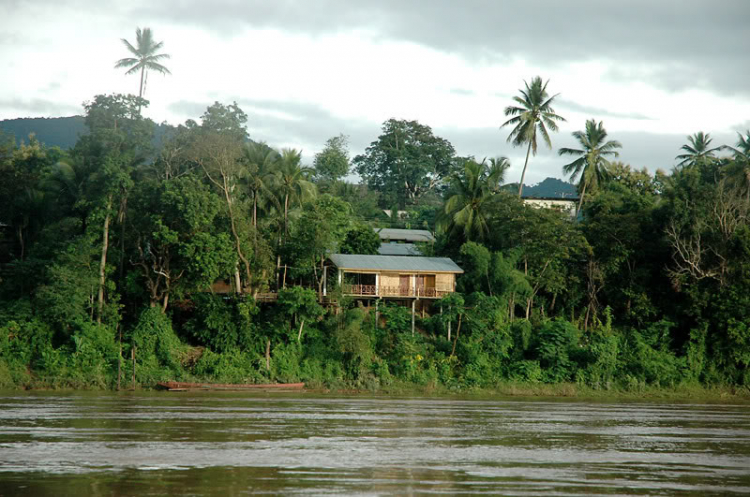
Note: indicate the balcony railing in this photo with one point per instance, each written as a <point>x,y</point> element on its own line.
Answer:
<point>395,291</point>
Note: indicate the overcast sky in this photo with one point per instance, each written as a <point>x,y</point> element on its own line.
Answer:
<point>654,71</point>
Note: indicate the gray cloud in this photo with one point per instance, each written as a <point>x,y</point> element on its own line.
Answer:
<point>37,107</point>
<point>596,112</point>
<point>680,43</point>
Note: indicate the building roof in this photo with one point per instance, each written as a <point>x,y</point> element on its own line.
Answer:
<point>405,235</point>
<point>394,248</point>
<point>395,263</point>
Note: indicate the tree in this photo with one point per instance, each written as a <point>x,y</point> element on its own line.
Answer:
<point>592,164</point>
<point>698,151</point>
<point>360,239</point>
<point>332,163</point>
<point>467,209</point>
<point>534,115</point>
<point>218,149</point>
<point>292,181</point>
<point>405,162</point>
<point>146,56</point>
<point>739,168</point>
<point>261,161</point>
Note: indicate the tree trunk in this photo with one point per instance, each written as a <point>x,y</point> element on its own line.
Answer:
<point>103,262</point>
<point>20,241</point>
<point>580,200</point>
<point>286,215</point>
<point>268,354</point>
<point>458,332</point>
<point>523,174</point>
<point>299,335</point>
<point>140,93</point>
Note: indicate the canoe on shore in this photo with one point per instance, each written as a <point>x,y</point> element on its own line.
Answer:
<point>177,386</point>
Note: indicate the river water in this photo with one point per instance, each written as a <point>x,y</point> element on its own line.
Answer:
<point>234,444</point>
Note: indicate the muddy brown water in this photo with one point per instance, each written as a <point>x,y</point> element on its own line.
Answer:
<point>233,444</point>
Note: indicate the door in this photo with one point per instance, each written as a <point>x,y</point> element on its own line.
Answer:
<point>403,284</point>
<point>419,280</point>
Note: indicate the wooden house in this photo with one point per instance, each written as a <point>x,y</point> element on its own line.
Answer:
<point>394,277</point>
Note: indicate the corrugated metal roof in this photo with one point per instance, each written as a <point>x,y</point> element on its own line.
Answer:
<point>398,249</point>
<point>395,263</point>
<point>405,235</point>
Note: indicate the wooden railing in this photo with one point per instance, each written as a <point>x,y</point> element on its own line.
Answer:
<point>395,291</point>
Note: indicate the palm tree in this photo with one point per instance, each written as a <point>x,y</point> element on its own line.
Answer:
<point>739,168</point>
<point>698,151</point>
<point>145,55</point>
<point>292,181</point>
<point>467,210</point>
<point>592,164</point>
<point>261,161</point>
<point>534,115</point>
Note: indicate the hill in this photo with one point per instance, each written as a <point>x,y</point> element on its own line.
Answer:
<point>60,132</point>
<point>549,188</point>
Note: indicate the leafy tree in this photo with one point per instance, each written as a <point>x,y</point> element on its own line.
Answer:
<point>228,120</point>
<point>145,56</point>
<point>469,204</point>
<point>217,147</point>
<point>360,239</point>
<point>534,115</point>
<point>176,247</point>
<point>592,164</point>
<point>405,162</point>
<point>332,163</point>
<point>698,150</point>
<point>739,168</point>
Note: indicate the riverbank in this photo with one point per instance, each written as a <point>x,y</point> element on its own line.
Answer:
<point>676,394</point>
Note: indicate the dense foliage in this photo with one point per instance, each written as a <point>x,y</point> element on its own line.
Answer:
<point>127,257</point>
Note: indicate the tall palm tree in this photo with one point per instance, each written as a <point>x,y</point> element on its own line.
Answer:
<point>292,181</point>
<point>739,168</point>
<point>698,151</point>
<point>534,115</point>
<point>145,55</point>
<point>261,161</point>
<point>592,164</point>
<point>467,210</point>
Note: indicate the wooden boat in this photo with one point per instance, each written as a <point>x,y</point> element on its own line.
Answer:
<point>181,386</point>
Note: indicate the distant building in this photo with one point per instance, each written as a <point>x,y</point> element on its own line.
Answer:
<point>401,235</point>
<point>567,205</point>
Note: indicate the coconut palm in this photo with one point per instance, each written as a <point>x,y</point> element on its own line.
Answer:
<point>534,115</point>
<point>261,161</point>
<point>739,168</point>
<point>292,181</point>
<point>467,210</point>
<point>698,151</point>
<point>146,56</point>
<point>592,164</point>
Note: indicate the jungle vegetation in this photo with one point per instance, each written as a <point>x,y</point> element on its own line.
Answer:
<point>110,249</point>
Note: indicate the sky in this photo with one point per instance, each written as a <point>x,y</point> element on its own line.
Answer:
<point>304,71</point>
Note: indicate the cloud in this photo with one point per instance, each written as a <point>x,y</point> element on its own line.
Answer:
<point>597,112</point>
<point>678,43</point>
<point>15,107</point>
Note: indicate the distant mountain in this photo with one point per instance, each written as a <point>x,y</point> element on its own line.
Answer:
<point>60,132</point>
<point>549,188</point>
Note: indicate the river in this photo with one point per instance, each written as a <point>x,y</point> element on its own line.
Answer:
<point>233,444</point>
